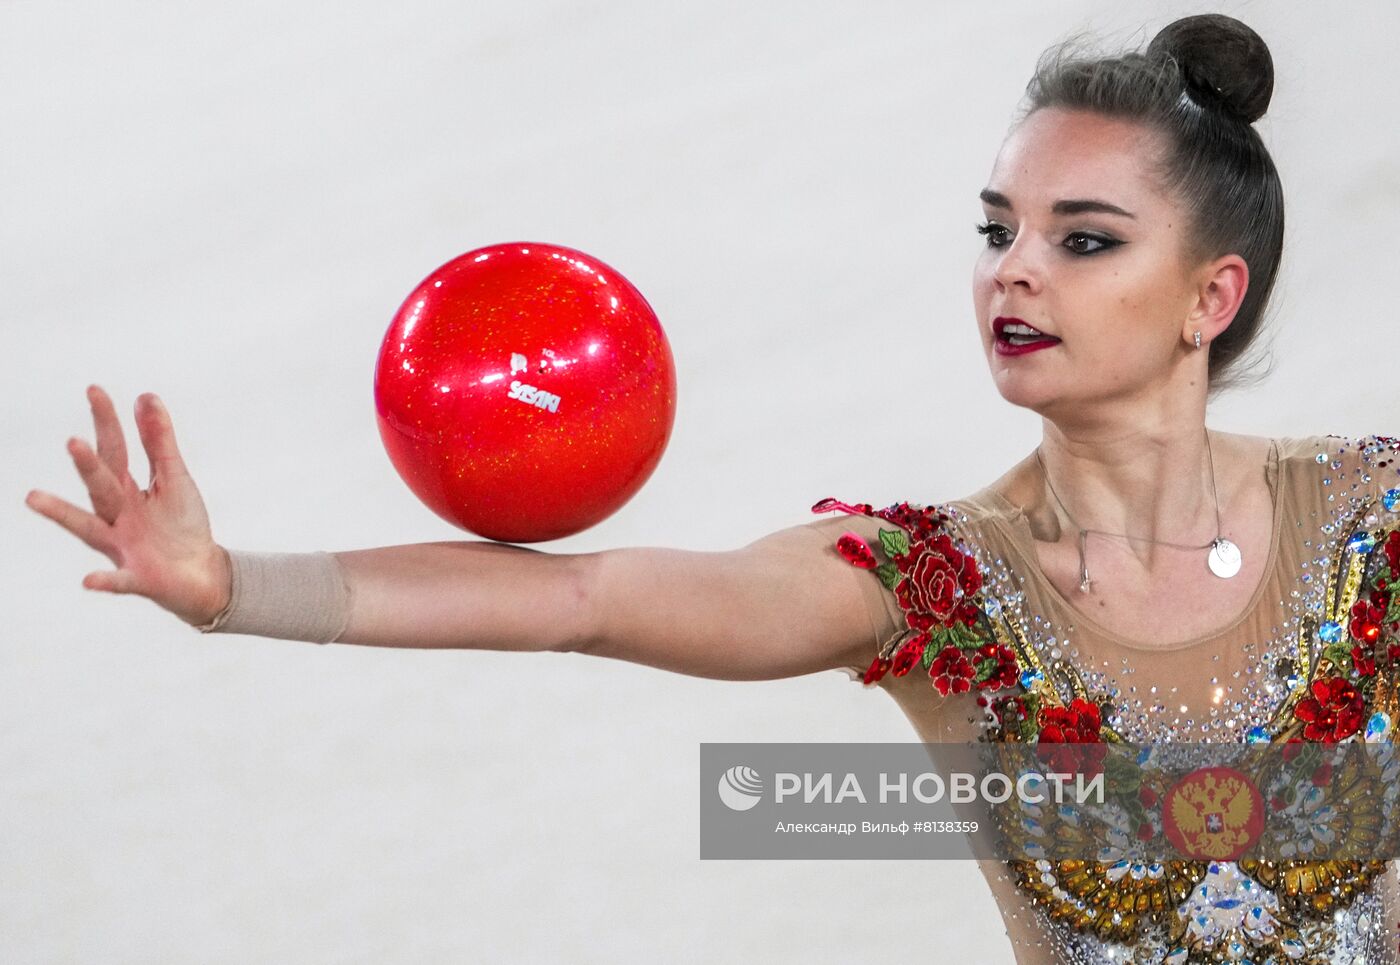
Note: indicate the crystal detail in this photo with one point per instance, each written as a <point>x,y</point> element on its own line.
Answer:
<point>1227,902</point>
<point>856,551</point>
<point>1362,542</point>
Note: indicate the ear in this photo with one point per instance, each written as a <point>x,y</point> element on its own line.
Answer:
<point>1221,286</point>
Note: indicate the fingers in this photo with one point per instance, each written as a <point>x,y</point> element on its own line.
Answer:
<point>158,436</point>
<point>103,488</point>
<point>111,581</point>
<point>82,524</point>
<point>111,445</point>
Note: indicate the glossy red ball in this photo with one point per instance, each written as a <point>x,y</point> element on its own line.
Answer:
<point>525,391</point>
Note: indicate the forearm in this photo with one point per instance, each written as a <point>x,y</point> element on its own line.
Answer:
<point>782,606</point>
<point>469,595</point>
<point>476,595</point>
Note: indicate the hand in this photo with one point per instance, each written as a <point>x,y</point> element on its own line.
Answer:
<point>159,537</point>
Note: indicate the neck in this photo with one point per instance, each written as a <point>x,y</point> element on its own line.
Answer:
<point>1152,481</point>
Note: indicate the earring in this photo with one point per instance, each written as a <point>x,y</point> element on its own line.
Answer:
<point>1198,340</point>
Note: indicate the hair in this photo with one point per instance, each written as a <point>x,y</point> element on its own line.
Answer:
<point>1201,84</point>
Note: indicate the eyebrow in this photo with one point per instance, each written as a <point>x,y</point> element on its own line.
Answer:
<point>1064,206</point>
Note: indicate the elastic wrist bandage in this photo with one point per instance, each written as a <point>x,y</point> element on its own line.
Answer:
<point>289,596</point>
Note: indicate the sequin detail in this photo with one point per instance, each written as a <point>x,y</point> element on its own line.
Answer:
<point>1328,674</point>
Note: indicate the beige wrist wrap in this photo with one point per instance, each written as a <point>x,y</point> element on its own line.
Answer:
<point>288,596</point>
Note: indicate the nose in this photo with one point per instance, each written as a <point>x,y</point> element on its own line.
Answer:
<point>1016,265</point>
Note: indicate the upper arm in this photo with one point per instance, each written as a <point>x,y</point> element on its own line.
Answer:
<point>884,620</point>
<point>784,605</point>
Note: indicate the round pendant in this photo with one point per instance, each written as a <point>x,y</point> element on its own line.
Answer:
<point>1224,558</point>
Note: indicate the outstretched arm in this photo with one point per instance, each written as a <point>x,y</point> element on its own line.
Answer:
<point>781,606</point>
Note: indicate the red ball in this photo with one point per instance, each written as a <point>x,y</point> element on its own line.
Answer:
<point>525,391</point>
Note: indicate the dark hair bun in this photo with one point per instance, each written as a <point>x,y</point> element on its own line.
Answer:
<point>1223,62</point>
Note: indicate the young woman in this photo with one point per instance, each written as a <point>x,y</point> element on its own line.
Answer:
<point>1137,576</point>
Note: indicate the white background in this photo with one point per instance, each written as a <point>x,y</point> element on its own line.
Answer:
<point>226,203</point>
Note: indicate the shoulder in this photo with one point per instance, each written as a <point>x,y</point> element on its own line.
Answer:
<point>1354,467</point>
<point>932,586</point>
<point>905,539</point>
<point>959,519</point>
<point>1367,448</point>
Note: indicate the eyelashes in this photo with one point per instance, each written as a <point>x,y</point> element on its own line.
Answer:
<point>988,229</point>
<point>991,230</point>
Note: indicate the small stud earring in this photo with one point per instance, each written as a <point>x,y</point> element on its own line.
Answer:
<point>1198,340</point>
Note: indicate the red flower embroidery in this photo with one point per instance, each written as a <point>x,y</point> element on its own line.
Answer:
<point>937,578</point>
<point>919,522</point>
<point>1363,657</point>
<point>934,588</point>
<point>910,654</point>
<point>1392,551</point>
<point>1004,673</point>
<point>1333,712</point>
<point>951,671</point>
<point>967,613</point>
<point>1366,619</point>
<point>1078,723</point>
<point>927,591</point>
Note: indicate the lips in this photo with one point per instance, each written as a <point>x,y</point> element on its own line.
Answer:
<point>1015,336</point>
<point>1019,326</point>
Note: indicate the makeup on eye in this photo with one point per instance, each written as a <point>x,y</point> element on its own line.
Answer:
<point>990,228</point>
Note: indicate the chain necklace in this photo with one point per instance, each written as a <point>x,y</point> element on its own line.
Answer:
<point>1224,559</point>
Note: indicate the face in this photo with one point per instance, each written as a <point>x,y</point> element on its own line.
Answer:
<point>1082,245</point>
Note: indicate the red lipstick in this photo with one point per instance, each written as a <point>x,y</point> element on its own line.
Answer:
<point>1013,336</point>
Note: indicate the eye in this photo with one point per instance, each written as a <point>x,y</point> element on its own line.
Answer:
<point>1072,243</point>
<point>990,229</point>
<point>1078,242</point>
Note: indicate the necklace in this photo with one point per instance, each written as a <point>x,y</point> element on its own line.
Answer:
<point>1224,558</point>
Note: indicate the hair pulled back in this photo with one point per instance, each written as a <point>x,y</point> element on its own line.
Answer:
<point>1201,83</point>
